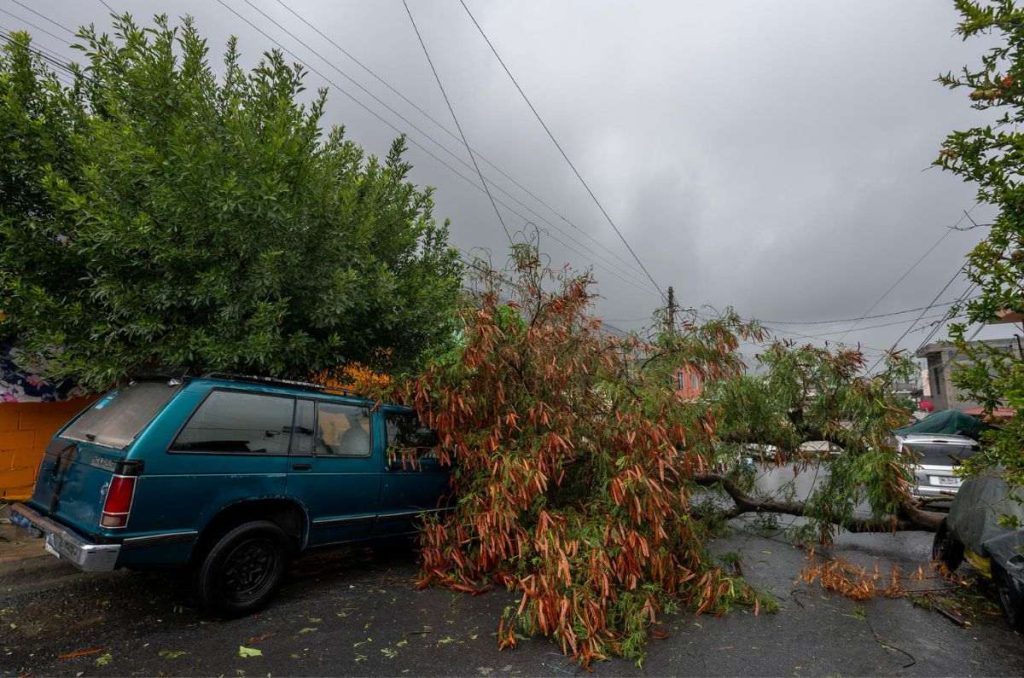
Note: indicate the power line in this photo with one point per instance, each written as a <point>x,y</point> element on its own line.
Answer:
<point>868,327</point>
<point>808,336</point>
<point>48,56</point>
<point>472,183</point>
<point>918,319</point>
<point>561,150</point>
<point>945,234</point>
<point>29,23</point>
<point>455,118</point>
<point>850,320</point>
<point>938,325</point>
<point>608,265</point>
<point>43,16</point>
<point>58,61</point>
<point>622,274</point>
<point>480,156</point>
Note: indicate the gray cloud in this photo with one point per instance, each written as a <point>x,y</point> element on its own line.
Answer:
<point>770,156</point>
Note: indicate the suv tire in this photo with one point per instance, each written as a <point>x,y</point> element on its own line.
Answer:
<point>242,569</point>
<point>1011,600</point>
<point>946,548</point>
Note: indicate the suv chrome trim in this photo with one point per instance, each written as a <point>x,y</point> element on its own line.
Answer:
<point>67,544</point>
<point>184,536</point>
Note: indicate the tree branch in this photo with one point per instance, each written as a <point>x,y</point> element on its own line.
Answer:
<point>910,517</point>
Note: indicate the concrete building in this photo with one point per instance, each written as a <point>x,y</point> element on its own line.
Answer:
<point>942,357</point>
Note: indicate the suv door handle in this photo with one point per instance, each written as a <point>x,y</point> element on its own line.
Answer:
<point>302,467</point>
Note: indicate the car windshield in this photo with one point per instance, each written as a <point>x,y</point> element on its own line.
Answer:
<point>120,415</point>
<point>941,454</point>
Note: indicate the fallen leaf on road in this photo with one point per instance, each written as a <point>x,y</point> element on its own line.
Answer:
<point>246,652</point>
<point>315,620</point>
<point>172,654</point>
<point>308,629</point>
<point>259,638</point>
<point>82,653</point>
<point>388,652</point>
<point>402,643</point>
<point>360,657</point>
<point>446,640</point>
<point>104,659</point>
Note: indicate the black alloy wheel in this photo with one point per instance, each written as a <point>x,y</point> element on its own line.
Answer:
<point>248,568</point>
<point>243,568</point>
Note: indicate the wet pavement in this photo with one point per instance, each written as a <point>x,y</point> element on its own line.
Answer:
<point>357,612</point>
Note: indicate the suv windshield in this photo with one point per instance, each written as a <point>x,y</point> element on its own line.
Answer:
<point>940,454</point>
<point>120,415</point>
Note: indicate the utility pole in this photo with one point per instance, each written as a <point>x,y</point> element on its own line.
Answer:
<point>671,315</point>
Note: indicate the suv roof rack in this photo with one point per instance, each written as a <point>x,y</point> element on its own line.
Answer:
<point>274,381</point>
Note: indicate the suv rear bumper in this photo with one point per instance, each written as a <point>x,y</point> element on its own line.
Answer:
<point>65,543</point>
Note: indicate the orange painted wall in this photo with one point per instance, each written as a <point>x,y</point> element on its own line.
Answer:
<point>25,431</point>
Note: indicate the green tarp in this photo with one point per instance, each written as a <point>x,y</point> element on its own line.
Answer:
<point>948,422</point>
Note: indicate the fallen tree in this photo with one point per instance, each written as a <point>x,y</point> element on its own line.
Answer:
<point>579,463</point>
<point>910,516</point>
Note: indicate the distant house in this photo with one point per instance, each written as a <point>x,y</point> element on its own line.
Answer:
<point>689,384</point>
<point>942,358</point>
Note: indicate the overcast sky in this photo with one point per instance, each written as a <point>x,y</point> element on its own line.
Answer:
<point>772,156</point>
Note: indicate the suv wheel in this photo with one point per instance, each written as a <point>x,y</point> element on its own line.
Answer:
<point>1010,599</point>
<point>946,548</point>
<point>242,570</point>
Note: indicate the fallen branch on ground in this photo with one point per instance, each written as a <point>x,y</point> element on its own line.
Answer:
<point>910,517</point>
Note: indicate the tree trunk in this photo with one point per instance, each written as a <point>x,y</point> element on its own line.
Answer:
<point>910,516</point>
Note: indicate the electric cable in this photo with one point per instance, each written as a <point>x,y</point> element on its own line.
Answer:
<point>607,265</point>
<point>945,234</point>
<point>413,141</point>
<point>480,156</point>
<point>562,151</point>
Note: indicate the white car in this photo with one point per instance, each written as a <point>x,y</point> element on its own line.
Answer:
<point>937,457</point>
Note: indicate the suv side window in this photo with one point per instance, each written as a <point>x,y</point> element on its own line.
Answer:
<point>234,422</point>
<point>342,430</point>
<point>408,439</point>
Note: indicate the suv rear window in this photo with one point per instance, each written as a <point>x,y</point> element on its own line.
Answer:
<point>939,454</point>
<point>119,416</point>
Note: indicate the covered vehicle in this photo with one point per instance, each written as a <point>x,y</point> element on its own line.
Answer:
<point>984,527</point>
<point>946,422</point>
<point>936,458</point>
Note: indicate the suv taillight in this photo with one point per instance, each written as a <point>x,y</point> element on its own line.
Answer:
<point>119,501</point>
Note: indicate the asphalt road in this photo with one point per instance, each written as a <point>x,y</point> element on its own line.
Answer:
<point>357,612</point>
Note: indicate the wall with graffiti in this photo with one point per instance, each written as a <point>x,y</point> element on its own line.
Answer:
<point>32,409</point>
<point>21,385</point>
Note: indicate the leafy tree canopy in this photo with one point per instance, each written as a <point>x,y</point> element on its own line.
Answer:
<point>990,156</point>
<point>156,214</point>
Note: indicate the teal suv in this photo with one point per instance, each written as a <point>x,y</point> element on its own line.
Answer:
<point>230,477</point>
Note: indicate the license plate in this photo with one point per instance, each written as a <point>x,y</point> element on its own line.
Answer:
<point>946,481</point>
<point>53,545</point>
